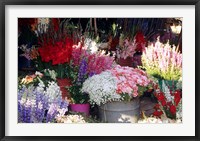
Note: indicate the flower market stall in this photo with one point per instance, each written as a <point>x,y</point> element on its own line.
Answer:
<point>99,70</point>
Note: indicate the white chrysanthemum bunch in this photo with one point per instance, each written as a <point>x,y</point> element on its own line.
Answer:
<point>101,88</point>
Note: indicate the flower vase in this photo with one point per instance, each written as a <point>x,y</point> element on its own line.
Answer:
<point>82,108</point>
<point>62,83</point>
<point>120,111</point>
<point>125,62</point>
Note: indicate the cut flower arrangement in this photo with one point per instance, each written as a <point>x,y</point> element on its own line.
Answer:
<point>162,61</point>
<point>128,45</point>
<point>38,103</point>
<point>84,65</point>
<point>116,84</point>
<point>126,48</point>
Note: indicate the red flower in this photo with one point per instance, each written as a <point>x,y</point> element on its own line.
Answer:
<point>163,103</point>
<point>140,40</point>
<point>160,97</point>
<point>172,109</point>
<point>59,53</point>
<point>157,113</point>
<point>177,97</point>
<point>157,106</point>
<point>169,103</point>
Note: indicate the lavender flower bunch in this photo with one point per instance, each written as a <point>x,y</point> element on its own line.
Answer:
<point>37,105</point>
<point>162,61</point>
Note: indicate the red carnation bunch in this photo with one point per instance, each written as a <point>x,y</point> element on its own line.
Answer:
<point>167,107</point>
<point>59,52</point>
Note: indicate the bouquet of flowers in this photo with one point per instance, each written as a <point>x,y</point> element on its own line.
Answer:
<point>96,62</point>
<point>169,105</point>
<point>55,46</point>
<point>84,65</point>
<point>162,61</point>
<point>34,79</point>
<point>40,104</point>
<point>116,84</point>
<point>58,53</point>
<point>126,48</point>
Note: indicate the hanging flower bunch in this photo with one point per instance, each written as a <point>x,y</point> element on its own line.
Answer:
<point>119,83</point>
<point>37,105</point>
<point>162,61</point>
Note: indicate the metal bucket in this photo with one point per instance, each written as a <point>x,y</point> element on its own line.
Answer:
<point>120,111</point>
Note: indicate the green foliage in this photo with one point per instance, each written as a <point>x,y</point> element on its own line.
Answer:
<point>76,95</point>
<point>126,97</point>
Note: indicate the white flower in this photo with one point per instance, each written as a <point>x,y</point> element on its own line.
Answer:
<point>101,88</point>
<point>40,105</point>
<point>28,103</point>
<point>52,108</point>
<point>22,101</point>
<point>52,73</point>
<point>53,91</point>
<point>166,92</point>
<point>38,73</point>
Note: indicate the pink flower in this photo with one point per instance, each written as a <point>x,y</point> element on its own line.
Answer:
<point>128,78</point>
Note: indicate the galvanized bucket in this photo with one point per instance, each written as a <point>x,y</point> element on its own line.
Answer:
<point>120,111</point>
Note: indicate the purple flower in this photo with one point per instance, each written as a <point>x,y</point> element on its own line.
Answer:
<point>91,74</point>
<point>82,71</point>
<point>34,106</point>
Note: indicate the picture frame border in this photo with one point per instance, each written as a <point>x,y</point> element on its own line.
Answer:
<point>97,2</point>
